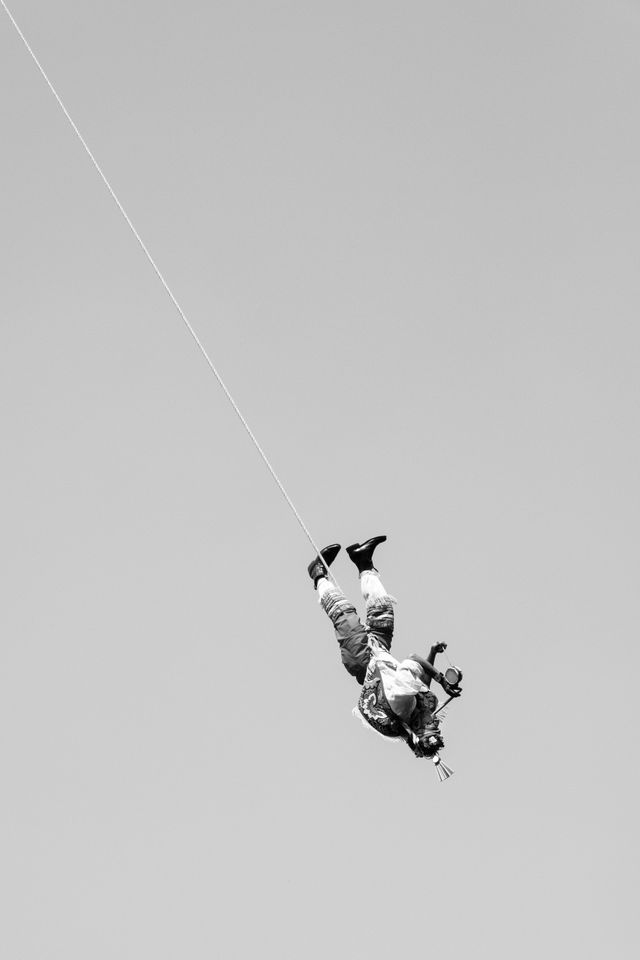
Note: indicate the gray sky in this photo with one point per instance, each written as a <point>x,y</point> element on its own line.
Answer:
<point>408,234</point>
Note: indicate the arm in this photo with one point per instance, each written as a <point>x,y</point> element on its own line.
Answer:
<point>431,674</point>
<point>435,649</point>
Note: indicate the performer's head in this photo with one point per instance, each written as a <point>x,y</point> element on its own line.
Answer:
<point>430,744</point>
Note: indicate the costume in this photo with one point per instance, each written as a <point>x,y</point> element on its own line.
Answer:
<point>395,701</point>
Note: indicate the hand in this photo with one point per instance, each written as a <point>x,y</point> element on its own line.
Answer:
<point>452,691</point>
<point>439,647</point>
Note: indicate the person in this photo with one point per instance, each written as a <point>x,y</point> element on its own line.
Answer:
<point>396,699</point>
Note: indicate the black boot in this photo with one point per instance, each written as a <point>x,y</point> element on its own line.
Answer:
<point>317,568</point>
<point>362,553</point>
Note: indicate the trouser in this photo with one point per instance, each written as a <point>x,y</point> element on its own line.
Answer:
<point>352,635</point>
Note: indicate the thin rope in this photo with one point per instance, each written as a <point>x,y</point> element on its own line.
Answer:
<point>166,286</point>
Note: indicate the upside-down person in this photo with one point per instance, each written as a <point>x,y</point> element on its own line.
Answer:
<point>395,699</point>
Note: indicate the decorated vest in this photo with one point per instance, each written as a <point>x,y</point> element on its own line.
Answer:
<point>374,707</point>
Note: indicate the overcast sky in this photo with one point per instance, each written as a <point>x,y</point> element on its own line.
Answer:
<point>407,232</point>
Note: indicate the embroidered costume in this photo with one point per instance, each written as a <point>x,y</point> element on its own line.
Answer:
<point>395,699</point>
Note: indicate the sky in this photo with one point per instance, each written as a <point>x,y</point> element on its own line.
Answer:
<point>407,234</point>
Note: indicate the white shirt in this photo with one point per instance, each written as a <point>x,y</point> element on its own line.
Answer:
<point>400,681</point>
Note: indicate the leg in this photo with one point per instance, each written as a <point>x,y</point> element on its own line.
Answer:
<point>379,603</point>
<point>379,607</point>
<point>350,633</point>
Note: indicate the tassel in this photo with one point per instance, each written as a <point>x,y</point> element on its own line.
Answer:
<point>443,771</point>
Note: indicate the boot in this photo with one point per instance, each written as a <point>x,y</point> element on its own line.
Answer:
<point>362,553</point>
<point>317,568</point>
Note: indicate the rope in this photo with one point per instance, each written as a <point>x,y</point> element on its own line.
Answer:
<point>166,286</point>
